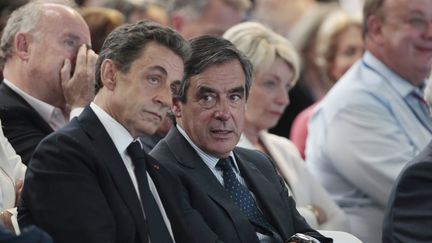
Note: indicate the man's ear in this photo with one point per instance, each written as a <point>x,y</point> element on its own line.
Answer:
<point>375,29</point>
<point>176,107</point>
<point>22,42</point>
<point>109,74</point>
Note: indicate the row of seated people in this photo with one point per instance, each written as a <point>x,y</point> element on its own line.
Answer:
<point>319,214</point>
<point>88,200</point>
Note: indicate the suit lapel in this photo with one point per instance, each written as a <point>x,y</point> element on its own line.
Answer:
<point>107,153</point>
<point>267,197</point>
<point>188,158</point>
<point>18,100</point>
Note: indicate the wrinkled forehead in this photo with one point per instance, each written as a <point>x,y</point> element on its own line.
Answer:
<point>220,77</point>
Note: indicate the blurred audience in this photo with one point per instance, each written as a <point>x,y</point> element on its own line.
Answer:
<point>339,45</point>
<point>48,72</point>
<point>373,120</point>
<point>408,216</point>
<point>101,22</point>
<point>6,8</point>
<point>149,10</point>
<point>299,20</point>
<point>192,18</point>
<point>284,14</point>
<point>276,70</point>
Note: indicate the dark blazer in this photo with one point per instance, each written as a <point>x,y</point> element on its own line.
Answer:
<point>22,125</point>
<point>408,216</point>
<point>28,235</point>
<point>77,188</point>
<point>209,197</point>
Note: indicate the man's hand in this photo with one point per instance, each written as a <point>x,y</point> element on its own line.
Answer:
<point>18,188</point>
<point>318,212</point>
<point>6,220</point>
<point>79,89</point>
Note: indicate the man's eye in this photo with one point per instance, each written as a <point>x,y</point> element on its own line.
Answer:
<point>153,80</point>
<point>236,97</point>
<point>70,43</point>
<point>417,22</point>
<point>207,98</point>
<point>207,101</point>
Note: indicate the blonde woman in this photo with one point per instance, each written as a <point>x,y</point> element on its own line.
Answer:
<point>276,70</point>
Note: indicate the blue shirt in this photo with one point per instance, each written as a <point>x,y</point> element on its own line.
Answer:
<point>360,137</point>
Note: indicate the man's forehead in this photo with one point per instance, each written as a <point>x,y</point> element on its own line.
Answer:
<point>211,85</point>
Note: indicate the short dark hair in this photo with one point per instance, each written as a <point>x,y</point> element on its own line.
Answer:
<point>371,7</point>
<point>126,43</point>
<point>208,51</point>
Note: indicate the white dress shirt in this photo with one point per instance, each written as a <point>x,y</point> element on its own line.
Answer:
<point>122,139</point>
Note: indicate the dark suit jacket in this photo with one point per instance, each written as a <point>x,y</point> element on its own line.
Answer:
<point>77,188</point>
<point>22,125</point>
<point>209,197</point>
<point>28,235</point>
<point>408,216</point>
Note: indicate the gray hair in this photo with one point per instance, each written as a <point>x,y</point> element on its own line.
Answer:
<point>24,20</point>
<point>208,51</point>
<point>127,42</point>
<point>262,46</point>
<point>193,9</point>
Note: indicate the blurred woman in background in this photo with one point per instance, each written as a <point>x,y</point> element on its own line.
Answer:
<point>339,46</point>
<point>276,70</point>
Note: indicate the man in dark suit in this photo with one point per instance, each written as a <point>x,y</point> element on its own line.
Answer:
<point>408,215</point>
<point>90,181</point>
<point>48,72</point>
<point>209,109</point>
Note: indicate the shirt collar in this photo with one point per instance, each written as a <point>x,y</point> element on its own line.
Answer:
<point>402,86</point>
<point>51,114</point>
<point>210,160</point>
<point>117,132</point>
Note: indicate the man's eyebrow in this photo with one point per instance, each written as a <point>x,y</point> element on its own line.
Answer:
<point>239,89</point>
<point>160,69</point>
<point>206,89</point>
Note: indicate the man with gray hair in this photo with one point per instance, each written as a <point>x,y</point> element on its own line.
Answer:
<point>48,71</point>
<point>374,119</point>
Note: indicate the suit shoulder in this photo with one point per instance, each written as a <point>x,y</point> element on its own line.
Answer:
<point>261,160</point>
<point>250,153</point>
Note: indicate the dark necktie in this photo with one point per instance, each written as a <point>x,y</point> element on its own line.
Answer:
<point>242,197</point>
<point>157,229</point>
<point>420,109</point>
